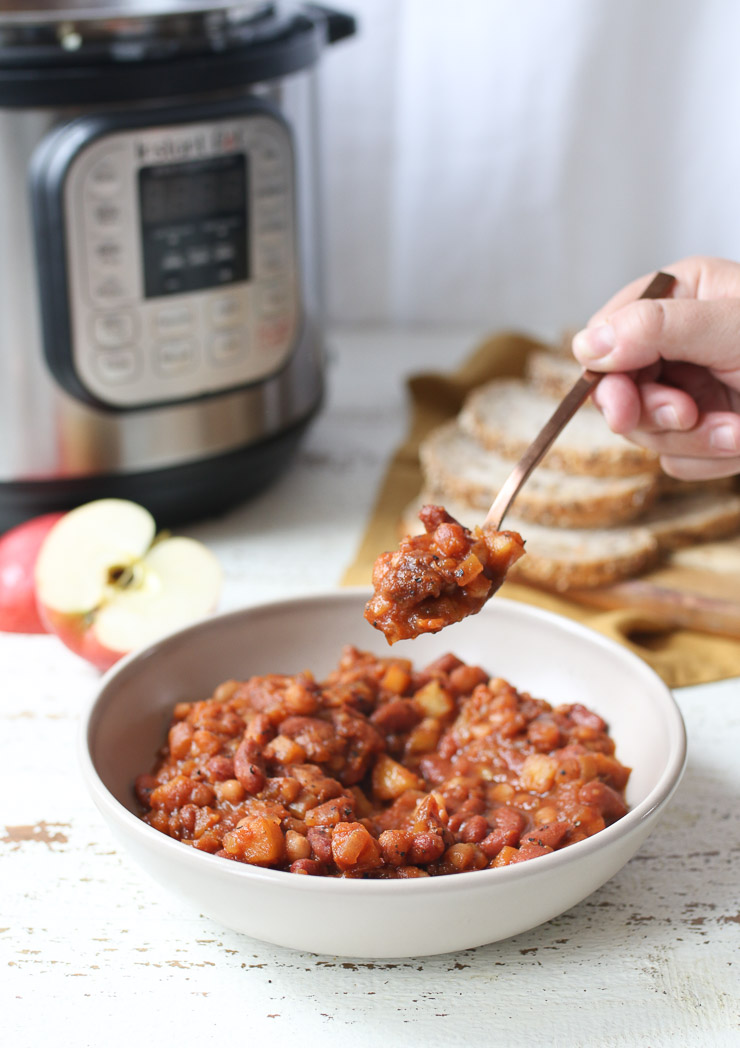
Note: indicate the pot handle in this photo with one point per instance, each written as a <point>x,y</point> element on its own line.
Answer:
<point>339,24</point>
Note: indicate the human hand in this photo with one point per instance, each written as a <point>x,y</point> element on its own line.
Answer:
<point>673,382</point>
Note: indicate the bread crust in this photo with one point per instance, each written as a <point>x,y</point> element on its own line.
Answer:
<point>551,371</point>
<point>487,416</point>
<point>458,467</point>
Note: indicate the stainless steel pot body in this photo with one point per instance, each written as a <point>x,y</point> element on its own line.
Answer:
<point>46,434</point>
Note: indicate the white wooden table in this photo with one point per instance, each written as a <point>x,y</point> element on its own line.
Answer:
<point>92,953</point>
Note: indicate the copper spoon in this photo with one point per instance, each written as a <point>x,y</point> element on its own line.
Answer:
<point>658,287</point>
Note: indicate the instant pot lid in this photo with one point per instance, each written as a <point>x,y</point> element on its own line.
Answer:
<point>127,29</point>
<point>73,51</point>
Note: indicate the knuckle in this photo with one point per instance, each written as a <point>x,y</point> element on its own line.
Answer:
<point>651,321</point>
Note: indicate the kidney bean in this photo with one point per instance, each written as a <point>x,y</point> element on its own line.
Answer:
<point>474,829</point>
<point>247,766</point>
<point>219,768</point>
<point>604,798</point>
<point>531,849</point>
<point>463,679</point>
<point>394,847</point>
<point>315,736</point>
<point>544,734</point>
<point>143,786</point>
<point>260,729</point>
<point>319,837</point>
<point>549,835</point>
<point>435,768</point>
<point>398,715</point>
<point>425,847</point>
<point>586,718</point>
<point>308,866</point>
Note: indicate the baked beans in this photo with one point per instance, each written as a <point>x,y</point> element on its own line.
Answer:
<point>382,771</point>
<point>439,577</point>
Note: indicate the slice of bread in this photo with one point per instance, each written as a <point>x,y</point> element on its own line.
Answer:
<point>722,558</point>
<point>559,558</point>
<point>457,466</point>
<point>670,486</point>
<point>689,519</point>
<point>551,371</point>
<point>506,415</point>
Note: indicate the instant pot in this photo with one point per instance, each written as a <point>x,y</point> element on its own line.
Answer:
<point>160,307</point>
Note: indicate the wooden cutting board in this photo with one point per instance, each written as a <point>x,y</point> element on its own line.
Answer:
<point>696,588</point>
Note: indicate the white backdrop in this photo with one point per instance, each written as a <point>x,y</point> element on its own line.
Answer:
<point>512,162</point>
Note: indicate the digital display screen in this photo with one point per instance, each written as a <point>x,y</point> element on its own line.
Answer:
<point>194,224</point>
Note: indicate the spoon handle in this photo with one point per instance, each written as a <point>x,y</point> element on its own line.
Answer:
<point>659,287</point>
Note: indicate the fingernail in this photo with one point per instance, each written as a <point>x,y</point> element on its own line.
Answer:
<point>596,342</point>
<point>723,438</point>
<point>666,417</point>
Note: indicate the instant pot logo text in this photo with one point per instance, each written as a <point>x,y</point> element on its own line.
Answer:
<point>215,140</point>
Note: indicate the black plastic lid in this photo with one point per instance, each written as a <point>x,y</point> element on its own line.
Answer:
<point>120,51</point>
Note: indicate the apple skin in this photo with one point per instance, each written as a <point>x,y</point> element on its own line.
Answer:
<point>19,548</point>
<point>75,633</point>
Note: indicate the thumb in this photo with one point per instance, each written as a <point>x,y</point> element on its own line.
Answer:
<point>644,332</point>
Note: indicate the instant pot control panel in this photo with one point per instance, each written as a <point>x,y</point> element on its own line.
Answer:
<point>167,254</point>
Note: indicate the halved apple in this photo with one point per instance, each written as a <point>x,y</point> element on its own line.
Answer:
<point>106,585</point>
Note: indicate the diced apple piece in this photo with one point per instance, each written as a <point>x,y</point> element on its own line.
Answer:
<point>390,779</point>
<point>433,700</point>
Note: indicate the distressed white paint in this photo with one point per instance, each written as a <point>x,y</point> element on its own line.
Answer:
<point>93,954</point>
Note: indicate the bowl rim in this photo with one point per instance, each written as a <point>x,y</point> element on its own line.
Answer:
<point>629,824</point>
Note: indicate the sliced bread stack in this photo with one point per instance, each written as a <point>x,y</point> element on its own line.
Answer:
<point>596,511</point>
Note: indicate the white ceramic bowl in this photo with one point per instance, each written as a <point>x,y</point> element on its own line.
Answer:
<point>551,657</point>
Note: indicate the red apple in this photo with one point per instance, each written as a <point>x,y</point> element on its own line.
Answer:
<point>19,549</point>
<point>107,586</point>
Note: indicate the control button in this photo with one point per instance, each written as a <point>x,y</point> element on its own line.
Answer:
<point>228,347</point>
<point>226,311</point>
<point>272,254</point>
<point>270,189</point>
<point>108,252</point>
<point>106,215</point>
<point>269,156</point>
<point>174,357</point>
<point>273,335</point>
<point>271,214</point>
<point>104,177</point>
<point>173,320</point>
<point>108,291</point>
<point>117,366</point>
<point>273,300</point>
<point>113,329</point>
